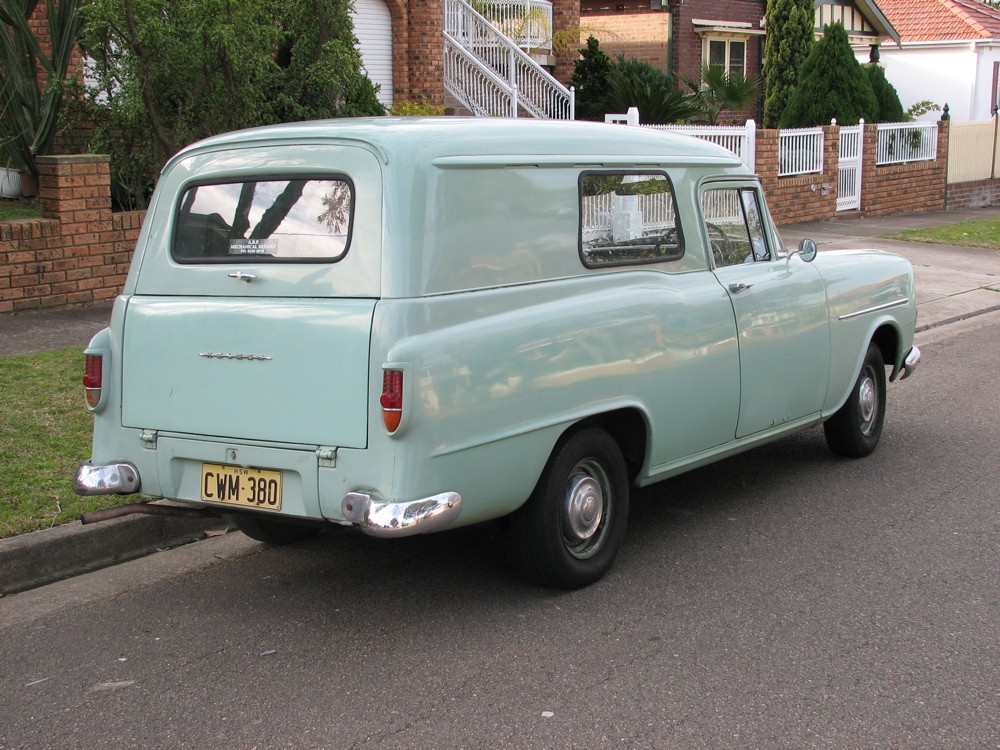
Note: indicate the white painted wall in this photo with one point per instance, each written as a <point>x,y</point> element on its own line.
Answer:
<point>373,28</point>
<point>957,73</point>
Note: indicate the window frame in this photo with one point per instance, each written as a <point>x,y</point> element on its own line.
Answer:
<point>740,189</point>
<point>627,172</point>
<point>727,39</point>
<point>252,259</point>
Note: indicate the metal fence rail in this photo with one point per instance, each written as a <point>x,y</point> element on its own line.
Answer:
<point>800,151</point>
<point>527,22</point>
<point>902,142</point>
<point>529,87</point>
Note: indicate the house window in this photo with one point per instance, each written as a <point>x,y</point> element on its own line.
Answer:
<point>729,54</point>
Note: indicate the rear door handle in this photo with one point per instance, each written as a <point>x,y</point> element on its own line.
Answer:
<point>734,288</point>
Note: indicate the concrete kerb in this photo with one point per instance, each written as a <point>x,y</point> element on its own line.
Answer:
<point>50,555</point>
<point>953,284</point>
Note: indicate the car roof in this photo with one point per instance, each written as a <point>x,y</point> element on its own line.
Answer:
<point>464,141</point>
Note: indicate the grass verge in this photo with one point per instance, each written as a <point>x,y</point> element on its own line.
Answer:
<point>11,210</point>
<point>979,233</point>
<point>44,433</point>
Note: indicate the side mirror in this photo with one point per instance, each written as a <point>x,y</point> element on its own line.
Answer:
<point>806,251</point>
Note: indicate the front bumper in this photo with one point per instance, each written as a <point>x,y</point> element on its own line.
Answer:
<point>909,365</point>
<point>106,479</point>
<point>377,517</point>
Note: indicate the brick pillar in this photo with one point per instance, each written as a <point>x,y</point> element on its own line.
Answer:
<point>76,192</point>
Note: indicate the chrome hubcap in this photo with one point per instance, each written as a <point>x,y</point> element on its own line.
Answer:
<point>867,402</point>
<point>584,508</point>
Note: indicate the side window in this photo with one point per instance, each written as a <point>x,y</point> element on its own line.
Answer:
<point>264,221</point>
<point>628,218</point>
<point>734,225</point>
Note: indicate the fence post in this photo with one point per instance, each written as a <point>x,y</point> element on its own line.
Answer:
<point>632,116</point>
<point>750,145</point>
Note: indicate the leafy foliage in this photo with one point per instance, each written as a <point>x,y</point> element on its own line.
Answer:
<point>787,45</point>
<point>590,79</point>
<point>717,90</point>
<point>917,109</point>
<point>634,83</point>
<point>170,72</point>
<point>890,109</point>
<point>832,84</point>
<point>33,78</point>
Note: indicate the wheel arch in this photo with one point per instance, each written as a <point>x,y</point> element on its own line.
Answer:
<point>629,428</point>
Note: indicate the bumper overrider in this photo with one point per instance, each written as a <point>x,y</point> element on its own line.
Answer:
<point>910,363</point>
<point>370,513</point>
<point>106,479</point>
<point>381,518</point>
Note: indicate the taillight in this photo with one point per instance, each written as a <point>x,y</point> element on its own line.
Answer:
<point>392,399</point>
<point>93,380</point>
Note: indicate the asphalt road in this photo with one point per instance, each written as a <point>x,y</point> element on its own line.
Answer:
<point>781,599</point>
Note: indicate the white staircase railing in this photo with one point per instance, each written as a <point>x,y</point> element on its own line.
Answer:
<point>492,76</point>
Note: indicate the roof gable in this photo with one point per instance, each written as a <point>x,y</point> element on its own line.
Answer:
<point>942,20</point>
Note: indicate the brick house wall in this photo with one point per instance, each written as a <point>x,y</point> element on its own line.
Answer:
<point>641,35</point>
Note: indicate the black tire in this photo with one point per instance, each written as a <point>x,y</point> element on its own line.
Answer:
<point>855,429</point>
<point>273,532</point>
<point>568,532</point>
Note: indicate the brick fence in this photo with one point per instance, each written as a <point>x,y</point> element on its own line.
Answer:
<point>893,188</point>
<point>78,253</point>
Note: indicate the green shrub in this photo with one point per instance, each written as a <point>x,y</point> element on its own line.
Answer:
<point>832,84</point>
<point>890,109</point>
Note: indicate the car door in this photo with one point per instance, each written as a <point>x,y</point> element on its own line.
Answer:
<point>780,307</point>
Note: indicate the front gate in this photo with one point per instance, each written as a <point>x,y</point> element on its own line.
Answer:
<point>849,167</point>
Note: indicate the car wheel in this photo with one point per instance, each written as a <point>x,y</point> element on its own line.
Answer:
<point>857,426</point>
<point>273,532</point>
<point>568,532</point>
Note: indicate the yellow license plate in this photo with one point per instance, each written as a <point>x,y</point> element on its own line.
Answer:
<point>237,485</point>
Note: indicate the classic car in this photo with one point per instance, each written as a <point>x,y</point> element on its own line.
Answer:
<point>411,325</point>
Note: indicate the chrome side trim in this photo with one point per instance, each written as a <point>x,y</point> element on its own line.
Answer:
<point>877,308</point>
<point>107,479</point>
<point>221,355</point>
<point>377,517</point>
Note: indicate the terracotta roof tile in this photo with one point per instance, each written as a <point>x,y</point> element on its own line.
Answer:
<point>941,20</point>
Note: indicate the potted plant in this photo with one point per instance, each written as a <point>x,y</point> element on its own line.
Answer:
<point>10,177</point>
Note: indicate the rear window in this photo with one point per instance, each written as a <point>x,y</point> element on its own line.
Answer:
<point>304,220</point>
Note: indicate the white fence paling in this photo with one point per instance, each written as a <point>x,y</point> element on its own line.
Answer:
<point>852,138</point>
<point>800,151</point>
<point>740,139</point>
<point>902,142</point>
<point>972,150</point>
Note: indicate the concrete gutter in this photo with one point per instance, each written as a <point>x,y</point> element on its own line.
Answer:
<point>46,556</point>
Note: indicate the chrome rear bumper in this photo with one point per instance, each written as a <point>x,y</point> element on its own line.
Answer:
<point>376,517</point>
<point>107,479</point>
<point>909,365</point>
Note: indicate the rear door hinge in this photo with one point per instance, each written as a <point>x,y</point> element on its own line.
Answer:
<point>148,438</point>
<point>327,457</point>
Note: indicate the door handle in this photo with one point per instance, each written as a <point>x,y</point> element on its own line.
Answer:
<point>734,288</point>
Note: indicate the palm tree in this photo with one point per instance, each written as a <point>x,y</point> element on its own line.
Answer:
<point>718,90</point>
